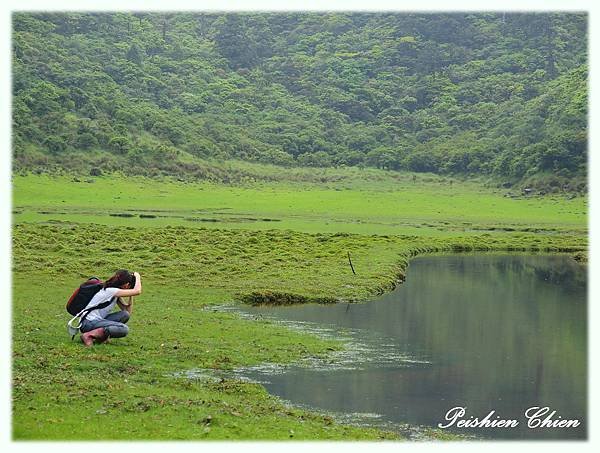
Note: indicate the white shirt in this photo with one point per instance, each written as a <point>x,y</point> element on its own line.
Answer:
<point>102,296</point>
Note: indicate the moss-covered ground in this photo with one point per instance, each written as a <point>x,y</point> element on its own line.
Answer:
<point>63,232</point>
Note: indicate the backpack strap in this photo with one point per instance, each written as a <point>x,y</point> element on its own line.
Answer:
<point>86,311</point>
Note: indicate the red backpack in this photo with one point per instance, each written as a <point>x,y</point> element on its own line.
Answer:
<point>83,295</point>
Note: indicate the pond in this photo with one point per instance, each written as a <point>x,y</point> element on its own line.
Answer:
<point>500,333</point>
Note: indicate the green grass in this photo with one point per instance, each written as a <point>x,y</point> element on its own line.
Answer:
<point>429,207</point>
<point>124,390</point>
<point>64,391</point>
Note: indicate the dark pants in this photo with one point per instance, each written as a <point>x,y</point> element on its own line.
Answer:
<point>114,324</point>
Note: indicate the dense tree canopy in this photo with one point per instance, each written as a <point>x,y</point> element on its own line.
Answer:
<point>470,93</point>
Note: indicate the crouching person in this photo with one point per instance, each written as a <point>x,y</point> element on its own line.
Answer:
<point>101,324</point>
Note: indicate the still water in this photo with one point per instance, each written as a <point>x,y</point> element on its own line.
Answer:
<point>496,333</point>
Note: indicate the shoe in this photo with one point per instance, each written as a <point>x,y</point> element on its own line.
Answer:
<point>97,334</point>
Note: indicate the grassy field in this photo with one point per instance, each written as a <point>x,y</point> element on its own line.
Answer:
<point>427,206</point>
<point>64,231</point>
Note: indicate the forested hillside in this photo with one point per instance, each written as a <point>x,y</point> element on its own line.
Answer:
<point>497,94</point>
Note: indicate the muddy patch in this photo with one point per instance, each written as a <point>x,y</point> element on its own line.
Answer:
<point>201,219</point>
<point>230,219</point>
<point>213,215</point>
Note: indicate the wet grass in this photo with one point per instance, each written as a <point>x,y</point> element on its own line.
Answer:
<point>64,391</point>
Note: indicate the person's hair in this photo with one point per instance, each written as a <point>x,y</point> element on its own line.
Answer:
<point>120,277</point>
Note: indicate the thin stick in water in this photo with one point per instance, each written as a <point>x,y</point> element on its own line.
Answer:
<point>351,266</point>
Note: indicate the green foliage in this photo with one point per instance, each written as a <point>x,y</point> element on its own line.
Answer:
<point>120,144</point>
<point>477,93</point>
<point>55,144</point>
<point>134,54</point>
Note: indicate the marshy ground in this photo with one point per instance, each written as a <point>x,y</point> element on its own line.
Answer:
<point>199,245</point>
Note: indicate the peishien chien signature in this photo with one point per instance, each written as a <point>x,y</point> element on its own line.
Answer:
<point>537,417</point>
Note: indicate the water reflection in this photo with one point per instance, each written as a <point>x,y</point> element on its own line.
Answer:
<point>498,333</point>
